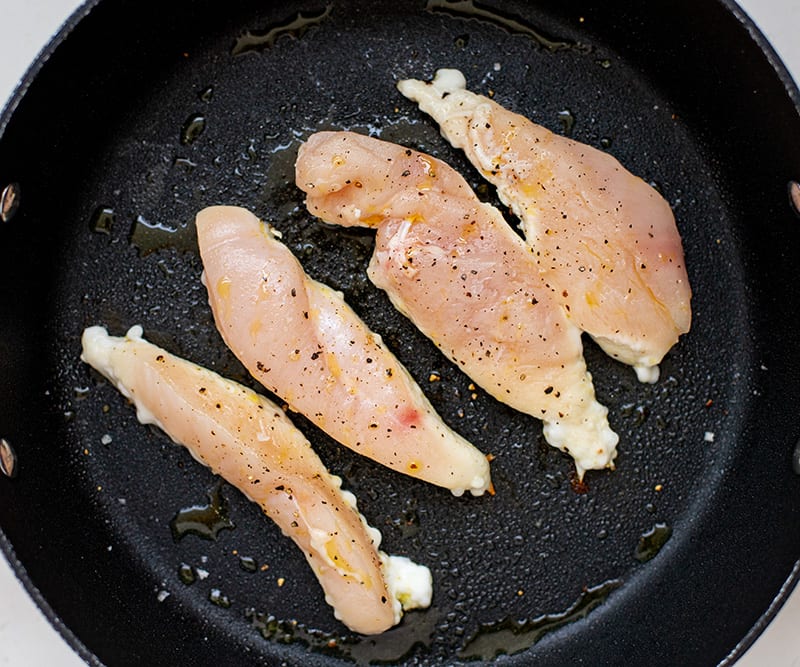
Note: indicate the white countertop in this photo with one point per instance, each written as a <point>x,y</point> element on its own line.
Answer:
<point>26,638</point>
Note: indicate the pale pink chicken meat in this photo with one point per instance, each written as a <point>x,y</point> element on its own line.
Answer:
<point>302,341</point>
<point>605,238</point>
<point>249,441</point>
<point>468,282</point>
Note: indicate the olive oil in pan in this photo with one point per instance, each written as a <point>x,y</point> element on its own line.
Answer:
<point>80,393</point>
<point>567,119</point>
<point>148,236</point>
<point>205,521</point>
<point>207,94</point>
<point>511,636</point>
<point>248,564</point>
<point>192,128</point>
<point>637,413</point>
<point>102,220</point>
<point>265,38</point>
<point>407,523</point>
<point>468,9</point>
<point>416,629</point>
<point>216,597</point>
<point>651,541</point>
<point>186,574</point>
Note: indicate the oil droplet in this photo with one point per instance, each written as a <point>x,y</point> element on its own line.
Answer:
<point>651,541</point>
<point>512,636</point>
<point>567,119</point>
<point>483,191</point>
<point>407,523</point>
<point>794,196</point>
<point>9,201</point>
<point>207,94</point>
<point>248,564</point>
<point>193,128</point>
<point>461,41</point>
<point>184,163</point>
<point>205,521</point>
<point>102,220</point>
<point>8,459</point>
<point>219,599</point>
<point>186,574</point>
<point>472,10</point>
<point>638,413</point>
<point>79,393</point>
<point>151,236</point>
<point>605,142</point>
<point>267,37</point>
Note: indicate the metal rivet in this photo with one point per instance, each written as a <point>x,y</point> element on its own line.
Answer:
<point>8,459</point>
<point>796,458</point>
<point>9,201</point>
<point>794,196</point>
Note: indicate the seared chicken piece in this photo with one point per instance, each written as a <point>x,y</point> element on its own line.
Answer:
<point>251,443</point>
<point>304,343</point>
<point>457,270</point>
<point>602,236</point>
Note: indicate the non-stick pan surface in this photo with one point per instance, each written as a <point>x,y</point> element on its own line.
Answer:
<point>144,112</point>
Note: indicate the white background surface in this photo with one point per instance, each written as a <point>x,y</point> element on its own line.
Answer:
<point>26,639</point>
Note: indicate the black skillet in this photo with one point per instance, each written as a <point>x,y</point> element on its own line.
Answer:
<point>141,113</point>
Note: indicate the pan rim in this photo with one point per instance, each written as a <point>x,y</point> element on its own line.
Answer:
<point>792,87</point>
<point>64,32</point>
<point>44,606</point>
<point>21,88</point>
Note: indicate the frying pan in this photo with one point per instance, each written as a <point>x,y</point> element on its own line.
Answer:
<point>142,113</point>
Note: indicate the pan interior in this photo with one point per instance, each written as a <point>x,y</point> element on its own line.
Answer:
<point>145,114</point>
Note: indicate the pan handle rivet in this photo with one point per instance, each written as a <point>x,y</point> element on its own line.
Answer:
<point>796,458</point>
<point>794,196</point>
<point>8,459</point>
<point>9,201</point>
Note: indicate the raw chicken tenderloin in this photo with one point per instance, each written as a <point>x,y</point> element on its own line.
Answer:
<point>251,443</point>
<point>305,344</point>
<point>603,236</point>
<point>458,271</point>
